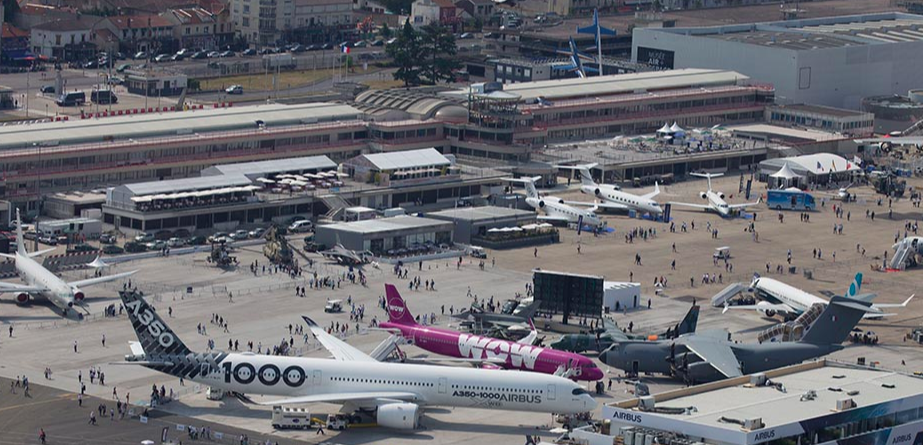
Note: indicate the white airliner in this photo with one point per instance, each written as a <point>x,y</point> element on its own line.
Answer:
<point>43,283</point>
<point>395,392</point>
<point>716,202</point>
<point>612,198</point>
<point>789,301</point>
<point>557,209</point>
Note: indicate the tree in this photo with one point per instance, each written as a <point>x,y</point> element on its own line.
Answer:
<point>385,31</point>
<point>405,52</point>
<point>438,47</point>
<point>398,6</point>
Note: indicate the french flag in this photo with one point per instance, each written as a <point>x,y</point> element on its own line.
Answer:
<point>345,49</point>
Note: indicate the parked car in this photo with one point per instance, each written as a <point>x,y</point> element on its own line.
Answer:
<point>144,237</point>
<point>182,233</point>
<point>234,89</point>
<point>140,55</point>
<point>116,80</point>
<point>72,99</point>
<point>199,55</point>
<point>301,226</point>
<point>47,89</point>
<point>196,240</point>
<point>163,235</point>
<point>121,68</point>
<point>80,248</point>
<point>49,240</point>
<point>156,245</point>
<point>239,235</point>
<point>228,53</point>
<point>103,97</point>
<point>162,58</point>
<point>175,242</point>
<point>107,238</point>
<point>134,247</point>
<point>248,52</point>
<point>297,49</point>
<point>257,232</point>
<point>112,249</point>
<point>178,57</point>
<point>30,235</point>
<point>91,64</point>
<point>217,235</point>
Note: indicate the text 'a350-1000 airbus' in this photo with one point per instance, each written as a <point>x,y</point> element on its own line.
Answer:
<point>395,392</point>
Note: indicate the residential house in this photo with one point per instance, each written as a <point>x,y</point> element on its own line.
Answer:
<point>442,12</point>
<point>149,33</point>
<point>268,22</point>
<point>193,27</point>
<point>67,39</point>
<point>481,9</point>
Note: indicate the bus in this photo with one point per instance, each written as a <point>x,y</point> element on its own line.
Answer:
<point>790,199</point>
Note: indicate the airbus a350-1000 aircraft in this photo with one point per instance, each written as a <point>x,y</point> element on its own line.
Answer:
<point>716,202</point>
<point>490,351</point>
<point>43,283</point>
<point>395,392</point>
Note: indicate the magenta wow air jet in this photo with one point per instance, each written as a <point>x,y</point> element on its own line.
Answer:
<point>491,352</point>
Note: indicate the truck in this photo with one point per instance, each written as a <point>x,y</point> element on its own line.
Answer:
<point>290,418</point>
<point>281,61</point>
<point>790,199</point>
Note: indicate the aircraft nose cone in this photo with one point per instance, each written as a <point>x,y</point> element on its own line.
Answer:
<point>596,374</point>
<point>591,403</point>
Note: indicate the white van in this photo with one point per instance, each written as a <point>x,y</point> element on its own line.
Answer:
<point>290,418</point>
<point>301,226</point>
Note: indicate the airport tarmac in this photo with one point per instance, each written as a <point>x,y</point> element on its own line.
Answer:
<point>264,305</point>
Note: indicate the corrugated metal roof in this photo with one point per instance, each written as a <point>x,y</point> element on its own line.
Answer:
<point>170,124</point>
<point>482,213</point>
<point>370,226</point>
<point>623,83</point>
<point>187,184</point>
<point>400,160</point>
<point>272,166</point>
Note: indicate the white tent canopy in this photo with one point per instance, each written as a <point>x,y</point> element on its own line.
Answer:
<point>785,173</point>
<point>676,128</point>
<point>665,128</point>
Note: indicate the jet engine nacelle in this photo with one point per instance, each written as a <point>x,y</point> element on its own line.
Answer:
<point>22,298</point>
<point>721,195</point>
<point>401,416</point>
<point>78,295</point>
<point>541,204</point>
<point>597,192</point>
<point>703,195</point>
<point>764,308</point>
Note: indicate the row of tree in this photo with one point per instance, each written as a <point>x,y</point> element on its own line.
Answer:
<point>424,57</point>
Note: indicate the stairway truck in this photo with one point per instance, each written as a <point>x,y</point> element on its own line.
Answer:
<point>290,418</point>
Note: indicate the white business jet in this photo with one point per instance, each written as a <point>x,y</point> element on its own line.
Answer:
<point>557,209</point>
<point>613,198</point>
<point>41,282</point>
<point>716,202</point>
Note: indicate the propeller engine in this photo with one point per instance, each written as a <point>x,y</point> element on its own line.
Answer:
<point>22,298</point>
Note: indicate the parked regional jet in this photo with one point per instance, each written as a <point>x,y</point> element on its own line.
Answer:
<point>710,356</point>
<point>612,198</point>
<point>43,283</point>
<point>396,392</point>
<point>716,202</point>
<point>490,351</point>
<point>789,301</point>
<point>557,209</point>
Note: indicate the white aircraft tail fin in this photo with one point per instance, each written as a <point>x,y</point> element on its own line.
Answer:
<point>656,192</point>
<point>20,241</point>
<point>708,176</point>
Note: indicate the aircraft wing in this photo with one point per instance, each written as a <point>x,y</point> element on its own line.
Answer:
<point>12,287</point>
<point>764,306</point>
<point>340,349</point>
<point>581,203</point>
<point>718,355</point>
<point>694,206</point>
<point>553,218</point>
<point>740,206</point>
<point>40,252</point>
<point>372,396</point>
<point>100,280</point>
<point>892,305</point>
<point>612,205</point>
<point>529,339</point>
